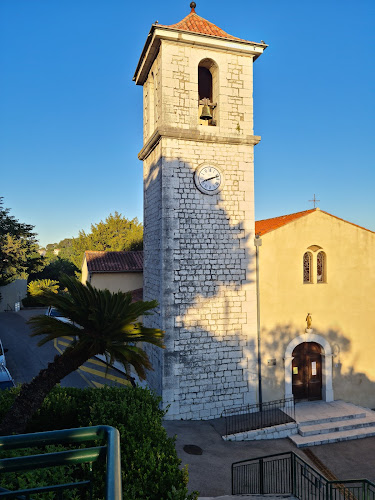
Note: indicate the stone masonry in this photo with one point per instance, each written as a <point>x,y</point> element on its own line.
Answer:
<point>198,249</point>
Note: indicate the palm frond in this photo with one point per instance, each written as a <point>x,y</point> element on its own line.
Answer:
<point>102,323</point>
<point>51,327</point>
<point>135,356</point>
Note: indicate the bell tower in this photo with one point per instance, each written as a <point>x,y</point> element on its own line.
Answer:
<point>199,258</point>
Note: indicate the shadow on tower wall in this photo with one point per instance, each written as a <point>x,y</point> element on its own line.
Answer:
<point>199,265</point>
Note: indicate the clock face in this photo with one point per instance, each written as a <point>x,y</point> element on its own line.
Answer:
<point>208,179</point>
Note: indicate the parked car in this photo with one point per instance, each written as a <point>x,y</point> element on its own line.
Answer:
<point>2,354</point>
<point>6,380</point>
<point>55,313</point>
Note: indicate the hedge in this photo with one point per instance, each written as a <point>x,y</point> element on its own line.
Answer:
<point>150,466</point>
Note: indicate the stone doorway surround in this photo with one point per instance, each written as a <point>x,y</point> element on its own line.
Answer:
<point>309,336</point>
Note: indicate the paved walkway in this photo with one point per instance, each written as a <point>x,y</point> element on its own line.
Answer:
<point>210,472</point>
<point>32,311</point>
<point>25,359</point>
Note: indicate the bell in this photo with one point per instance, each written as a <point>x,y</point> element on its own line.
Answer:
<point>206,113</point>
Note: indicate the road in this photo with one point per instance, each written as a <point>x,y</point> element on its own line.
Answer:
<point>25,359</point>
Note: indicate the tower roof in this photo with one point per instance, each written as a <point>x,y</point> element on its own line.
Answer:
<point>197,24</point>
<point>192,29</point>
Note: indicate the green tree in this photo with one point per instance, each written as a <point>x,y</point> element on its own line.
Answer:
<point>102,323</point>
<point>65,248</point>
<point>116,233</point>
<point>18,248</point>
<point>54,269</point>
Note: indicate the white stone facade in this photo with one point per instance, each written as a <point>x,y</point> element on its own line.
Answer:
<point>198,249</point>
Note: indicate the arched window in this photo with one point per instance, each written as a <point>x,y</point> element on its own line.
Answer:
<point>321,264</point>
<point>207,92</point>
<point>307,267</point>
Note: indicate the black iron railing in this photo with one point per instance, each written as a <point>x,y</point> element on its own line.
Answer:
<point>259,416</point>
<point>288,474</point>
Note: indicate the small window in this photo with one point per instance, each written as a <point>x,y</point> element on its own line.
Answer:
<point>307,267</point>
<point>321,267</point>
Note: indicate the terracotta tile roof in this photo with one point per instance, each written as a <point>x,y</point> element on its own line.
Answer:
<point>267,225</point>
<point>196,24</point>
<point>137,294</point>
<point>114,262</point>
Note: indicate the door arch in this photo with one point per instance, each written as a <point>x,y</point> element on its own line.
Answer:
<point>307,371</point>
<point>327,389</point>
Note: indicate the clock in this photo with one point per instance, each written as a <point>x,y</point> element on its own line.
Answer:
<point>208,179</point>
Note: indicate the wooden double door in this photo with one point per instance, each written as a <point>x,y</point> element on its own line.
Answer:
<point>307,371</point>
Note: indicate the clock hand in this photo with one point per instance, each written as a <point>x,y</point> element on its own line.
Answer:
<point>214,177</point>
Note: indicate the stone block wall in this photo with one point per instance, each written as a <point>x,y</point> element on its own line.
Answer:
<point>152,98</point>
<point>199,264</point>
<point>152,273</point>
<point>198,249</point>
<point>234,75</point>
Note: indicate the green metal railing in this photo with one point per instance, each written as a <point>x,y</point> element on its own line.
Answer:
<point>110,452</point>
<point>287,473</point>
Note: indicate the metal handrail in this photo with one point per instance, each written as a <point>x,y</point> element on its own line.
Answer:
<point>258,416</point>
<point>288,473</point>
<point>113,489</point>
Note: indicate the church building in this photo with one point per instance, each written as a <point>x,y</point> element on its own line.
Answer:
<point>204,252</point>
<point>314,264</point>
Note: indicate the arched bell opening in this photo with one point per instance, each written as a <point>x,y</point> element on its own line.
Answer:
<point>207,92</point>
<point>204,83</point>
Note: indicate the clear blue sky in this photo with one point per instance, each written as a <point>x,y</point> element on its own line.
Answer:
<point>71,117</point>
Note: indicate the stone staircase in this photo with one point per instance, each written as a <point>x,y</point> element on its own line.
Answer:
<point>323,423</point>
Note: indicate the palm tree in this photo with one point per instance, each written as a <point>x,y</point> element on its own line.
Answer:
<point>101,323</point>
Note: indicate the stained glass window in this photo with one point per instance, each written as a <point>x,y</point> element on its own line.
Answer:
<point>307,267</point>
<point>320,267</point>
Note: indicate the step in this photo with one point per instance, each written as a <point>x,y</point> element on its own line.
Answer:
<point>336,426</point>
<point>334,418</point>
<point>332,437</point>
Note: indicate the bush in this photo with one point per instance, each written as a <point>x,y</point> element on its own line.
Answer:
<point>150,466</point>
<point>37,287</point>
<point>43,477</point>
